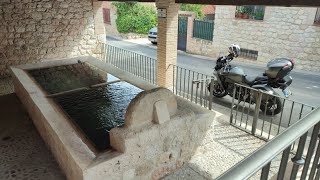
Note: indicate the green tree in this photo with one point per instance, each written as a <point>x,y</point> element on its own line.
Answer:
<point>134,17</point>
<point>196,8</point>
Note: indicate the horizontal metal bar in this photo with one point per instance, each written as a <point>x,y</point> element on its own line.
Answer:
<point>256,161</point>
<point>128,50</point>
<point>286,3</point>
<point>273,95</point>
<point>190,70</point>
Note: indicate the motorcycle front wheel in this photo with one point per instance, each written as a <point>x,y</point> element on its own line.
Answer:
<point>218,91</point>
<point>272,107</point>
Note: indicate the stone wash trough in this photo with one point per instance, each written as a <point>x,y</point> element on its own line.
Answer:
<point>158,134</point>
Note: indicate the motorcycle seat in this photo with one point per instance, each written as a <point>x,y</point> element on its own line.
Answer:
<point>251,80</point>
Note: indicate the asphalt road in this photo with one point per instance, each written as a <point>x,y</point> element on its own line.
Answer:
<point>305,87</point>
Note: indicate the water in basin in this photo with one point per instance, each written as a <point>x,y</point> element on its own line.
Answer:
<point>95,111</point>
<point>63,78</point>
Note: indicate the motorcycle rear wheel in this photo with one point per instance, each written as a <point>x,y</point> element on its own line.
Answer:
<point>218,91</point>
<point>274,106</point>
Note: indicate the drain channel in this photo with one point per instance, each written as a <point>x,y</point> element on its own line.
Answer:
<point>82,89</point>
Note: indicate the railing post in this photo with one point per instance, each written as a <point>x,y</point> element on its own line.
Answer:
<point>256,113</point>
<point>298,159</point>
<point>173,79</point>
<point>106,52</point>
<point>102,50</point>
<point>265,172</point>
<point>284,162</point>
<point>315,161</point>
<point>312,146</point>
<point>211,93</point>
<point>232,104</point>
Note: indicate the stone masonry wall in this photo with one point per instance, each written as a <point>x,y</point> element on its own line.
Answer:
<point>31,30</point>
<point>284,32</point>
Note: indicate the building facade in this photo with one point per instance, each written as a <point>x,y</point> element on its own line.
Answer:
<point>109,20</point>
<point>292,32</point>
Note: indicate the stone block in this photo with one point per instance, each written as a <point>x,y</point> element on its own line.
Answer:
<point>20,29</point>
<point>36,15</point>
<point>31,27</point>
<point>161,113</point>
<point>3,29</point>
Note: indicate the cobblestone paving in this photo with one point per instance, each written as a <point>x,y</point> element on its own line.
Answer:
<point>23,155</point>
<point>6,86</point>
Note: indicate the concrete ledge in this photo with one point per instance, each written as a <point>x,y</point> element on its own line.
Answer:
<point>140,110</point>
<point>143,149</point>
<point>72,154</point>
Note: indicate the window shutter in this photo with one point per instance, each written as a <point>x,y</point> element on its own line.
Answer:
<point>106,16</point>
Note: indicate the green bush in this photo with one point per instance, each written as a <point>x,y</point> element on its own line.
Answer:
<point>196,8</point>
<point>134,17</point>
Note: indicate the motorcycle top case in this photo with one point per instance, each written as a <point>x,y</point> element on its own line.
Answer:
<point>279,67</point>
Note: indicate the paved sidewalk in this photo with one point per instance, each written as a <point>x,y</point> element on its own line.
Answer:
<point>223,147</point>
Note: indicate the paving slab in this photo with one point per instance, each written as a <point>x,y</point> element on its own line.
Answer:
<point>185,173</point>
<point>222,147</point>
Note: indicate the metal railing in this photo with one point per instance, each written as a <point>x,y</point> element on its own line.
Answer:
<point>192,86</point>
<point>262,159</point>
<point>186,83</point>
<point>203,29</point>
<point>137,64</point>
<point>253,116</point>
<point>285,129</point>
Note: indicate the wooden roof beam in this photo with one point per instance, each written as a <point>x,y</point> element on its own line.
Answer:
<point>130,1</point>
<point>313,3</point>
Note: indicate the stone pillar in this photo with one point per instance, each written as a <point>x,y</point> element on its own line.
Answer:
<point>167,42</point>
<point>191,16</point>
<point>99,28</point>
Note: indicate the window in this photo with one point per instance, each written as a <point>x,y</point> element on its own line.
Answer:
<point>250,12</point>
<point>249,54</point>
<point>106,16</point>
<point>317,18</point>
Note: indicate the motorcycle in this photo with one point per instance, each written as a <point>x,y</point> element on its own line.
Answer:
<point>276,76</point>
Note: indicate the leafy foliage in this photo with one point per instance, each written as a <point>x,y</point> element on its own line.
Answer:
<point>196,8</point>
<point>134,17</point>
